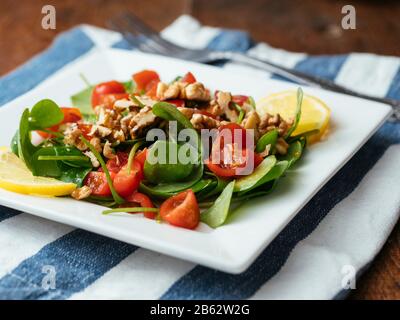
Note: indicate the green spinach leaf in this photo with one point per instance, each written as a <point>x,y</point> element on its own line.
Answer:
<point>216,215</point>
<point>248,182</point>
<point>82,101</point>
<point>44,114</point>
<point>268,138</point>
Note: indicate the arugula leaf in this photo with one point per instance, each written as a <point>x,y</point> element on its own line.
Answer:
<point>82,101</point>
<point>44,114</point>
<point>216,215</point>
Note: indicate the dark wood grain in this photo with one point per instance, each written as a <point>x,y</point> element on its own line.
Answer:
<point>297,25</point>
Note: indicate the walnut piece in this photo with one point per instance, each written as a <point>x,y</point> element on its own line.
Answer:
<point>197,91</point>
<point>142,120</point>
<point>108,151</point>
<point>93,159</point>
<point>270,122</point>
<point>281,146</point>
<point>200,121</point>
<point>81,193</point>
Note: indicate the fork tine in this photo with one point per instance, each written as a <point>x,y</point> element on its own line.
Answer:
<point>134,22</point>
<point>138,41</point>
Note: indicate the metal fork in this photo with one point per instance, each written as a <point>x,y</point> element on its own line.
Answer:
<point>149,40</point>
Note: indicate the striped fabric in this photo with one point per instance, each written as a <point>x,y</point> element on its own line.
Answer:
<point>345,224</point>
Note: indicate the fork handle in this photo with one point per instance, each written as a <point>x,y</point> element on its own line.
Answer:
<point>307,79</point>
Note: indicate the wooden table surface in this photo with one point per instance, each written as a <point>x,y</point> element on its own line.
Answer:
<point>307,25</point>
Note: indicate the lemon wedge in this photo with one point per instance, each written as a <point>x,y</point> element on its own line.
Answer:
<point>315,114</point>
<point>16,177</point>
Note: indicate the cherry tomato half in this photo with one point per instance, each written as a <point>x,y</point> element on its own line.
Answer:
<point>70,115</point>
<point>141,157</point>
<point>115,165</point>
<point>145,80</point>
<point>97,182</point>
<point>237,166</point>
<point>232,132</point>
<point>181,210</point>
<point>177,102</point>
<point>240,99</point>
<point>125,182</point>
<point>152,89</point>
<point>109,99</point>
<point>137,198</point>
<point>189,78</point>
<point>106,88</point>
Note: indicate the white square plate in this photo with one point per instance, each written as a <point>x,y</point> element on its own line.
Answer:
<point>234,246</point>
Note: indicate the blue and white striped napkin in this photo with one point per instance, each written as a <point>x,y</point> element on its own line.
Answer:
<point>344,226</point>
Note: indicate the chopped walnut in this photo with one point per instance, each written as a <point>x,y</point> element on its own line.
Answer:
<point>281,146</point>
<point>123,104</point>
<point>251,120</point>
<point>182,90</point>
<point>118,135</point>
<point>81,193</point>
<point>214,108</point>
<point>105,116</point>
<point>72,137</point>
<point>125,122</point>
<point>108,151</point>
<point>197,91</point>
<point>93,159</point>
<point>224,99</point>
<point>270,122</point>
<point>200,121</point>
<point>187,112</point>
<point>95,142</point>
<point>141,121</point>
<point>100,130</point>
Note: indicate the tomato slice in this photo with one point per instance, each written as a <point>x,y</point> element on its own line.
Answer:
<point>97,182</point>
<point>181,210</point>
<point>144,201</point>
<point>145,80</point>
<point>106,88</point>
<point>189,78</point>
<point>125,182</point>
<point>70,115</point>
<point>141,157</point>
<point>115,165</point>
<point>109,99</point>
<point>240,99</point>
